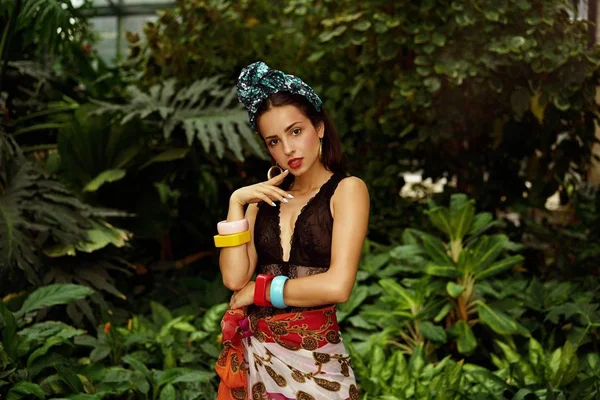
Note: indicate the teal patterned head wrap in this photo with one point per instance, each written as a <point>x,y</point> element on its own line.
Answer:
<point>257,82</point>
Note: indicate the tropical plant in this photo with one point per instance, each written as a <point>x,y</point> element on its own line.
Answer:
<point>160,357</point>
<point>495,96</point>
<point>537,375</point>
<point>204,109</point>
<point>35,358</point>
<point>41,28</point>
<point>185,352</point>
<point>40,214</point>
<point>446,292</point>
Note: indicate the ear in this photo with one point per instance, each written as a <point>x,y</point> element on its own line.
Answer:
<point>321,130</point>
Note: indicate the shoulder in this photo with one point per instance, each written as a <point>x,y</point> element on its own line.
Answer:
<point>351,199</point>
<point>351,187</point>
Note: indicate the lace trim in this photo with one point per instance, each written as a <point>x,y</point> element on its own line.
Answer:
<point>292,236</point>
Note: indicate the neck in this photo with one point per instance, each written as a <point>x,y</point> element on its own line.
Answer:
<point>312,178</point>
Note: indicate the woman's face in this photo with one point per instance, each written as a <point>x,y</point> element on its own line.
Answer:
<point>291,138</point>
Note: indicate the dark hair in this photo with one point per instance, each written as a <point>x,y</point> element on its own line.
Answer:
<point>332,156</point>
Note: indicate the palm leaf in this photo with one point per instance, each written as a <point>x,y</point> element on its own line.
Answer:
<point>47,23</point>
<point>51,295</point>
<point>37,211</point>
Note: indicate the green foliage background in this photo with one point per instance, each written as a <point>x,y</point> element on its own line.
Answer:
<point>113,178</point>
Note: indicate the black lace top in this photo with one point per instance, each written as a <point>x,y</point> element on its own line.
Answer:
<point>310,247</point>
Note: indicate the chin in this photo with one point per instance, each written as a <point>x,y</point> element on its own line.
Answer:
<point>296,172</point>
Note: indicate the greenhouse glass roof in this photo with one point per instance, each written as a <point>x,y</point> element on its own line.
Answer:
<point>112,19</point>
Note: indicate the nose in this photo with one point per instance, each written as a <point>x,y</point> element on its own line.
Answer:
<point>287,148</point>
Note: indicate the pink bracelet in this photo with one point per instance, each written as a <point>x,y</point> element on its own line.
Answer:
<point>229,228</point>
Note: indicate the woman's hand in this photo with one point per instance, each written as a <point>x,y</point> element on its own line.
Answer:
<point>264,191</point>
<point>244,297</point>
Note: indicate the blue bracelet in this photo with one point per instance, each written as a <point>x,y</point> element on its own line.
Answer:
<point>277,285</point>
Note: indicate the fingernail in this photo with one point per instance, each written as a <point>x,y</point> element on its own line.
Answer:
<point>287,170</point>
<point>290,196</point>
<point>273,204</point>
<point>284,200</point>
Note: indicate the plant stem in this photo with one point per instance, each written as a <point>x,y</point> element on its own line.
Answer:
<point>39,147</point>
<point>56,110</point>
<point>40,127</point>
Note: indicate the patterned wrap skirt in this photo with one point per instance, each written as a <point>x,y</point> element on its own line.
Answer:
<point>284,357</point>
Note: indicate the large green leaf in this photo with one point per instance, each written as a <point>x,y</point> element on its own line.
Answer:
<point>212,319</point>
<point>465,339</point>
<point>24,389</point>
<point>496,320</point>
<point>499,267</point>
<point>436,249</point>
<point>401,378</point>
<point>8,327</point>
<point>47,329</point>
<point>482,222</point>
<point>359,294</point>
<point>403,295</point>
<point>454,289</point>
<point>70,378</point>
<point>99,235</point>
<point>462,212</point>
<point>486,250</point>
<point>110,175</point>
<point>168,393</point>
<point>94,150</point>
<point>417,361</point>
<point>33,207</point>
<point>167,155</point>
<point>160,314</point>
<point>433,332</point>
<point>175,375</point>
<point>564,365</point>
<point>447,271</point>
<point>52,295</point>
<point>440,218</point>
<point>42,351</point>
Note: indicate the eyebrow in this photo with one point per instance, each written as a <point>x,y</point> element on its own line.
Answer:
<point>285,130</point>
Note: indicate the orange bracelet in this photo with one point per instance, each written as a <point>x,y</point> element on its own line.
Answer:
<point>260,290</point>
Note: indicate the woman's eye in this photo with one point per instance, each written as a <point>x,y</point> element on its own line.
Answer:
<point>296,131</point>
<point>272,142</point>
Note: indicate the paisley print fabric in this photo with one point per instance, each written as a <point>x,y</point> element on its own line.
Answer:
<point>289,356</point>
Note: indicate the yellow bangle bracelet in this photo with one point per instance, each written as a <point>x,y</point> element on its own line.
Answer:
<point>232,240</point>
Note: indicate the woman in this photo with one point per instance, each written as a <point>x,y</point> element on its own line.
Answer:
<point>281,337</point>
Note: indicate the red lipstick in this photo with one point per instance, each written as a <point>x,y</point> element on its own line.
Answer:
<point>295,163</point>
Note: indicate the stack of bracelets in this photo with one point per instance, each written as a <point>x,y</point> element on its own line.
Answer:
<point>237,233</point>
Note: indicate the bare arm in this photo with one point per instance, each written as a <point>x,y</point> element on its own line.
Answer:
<point>238,263</point>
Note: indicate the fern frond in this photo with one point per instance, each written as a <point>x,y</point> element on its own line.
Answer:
<point>205,110</point>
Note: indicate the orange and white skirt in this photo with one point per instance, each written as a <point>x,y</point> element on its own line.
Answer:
<point>284,357</point>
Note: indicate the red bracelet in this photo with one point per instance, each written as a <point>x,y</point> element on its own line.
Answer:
<point>260,290</point>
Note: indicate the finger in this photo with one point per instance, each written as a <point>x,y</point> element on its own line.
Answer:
<point>266,199</point>
<point>269,192</point>
<point>281,192</point>
<point>276,180</point>
<point>276,194</point>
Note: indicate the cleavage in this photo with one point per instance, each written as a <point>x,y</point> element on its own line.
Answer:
<point>288,221</point>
